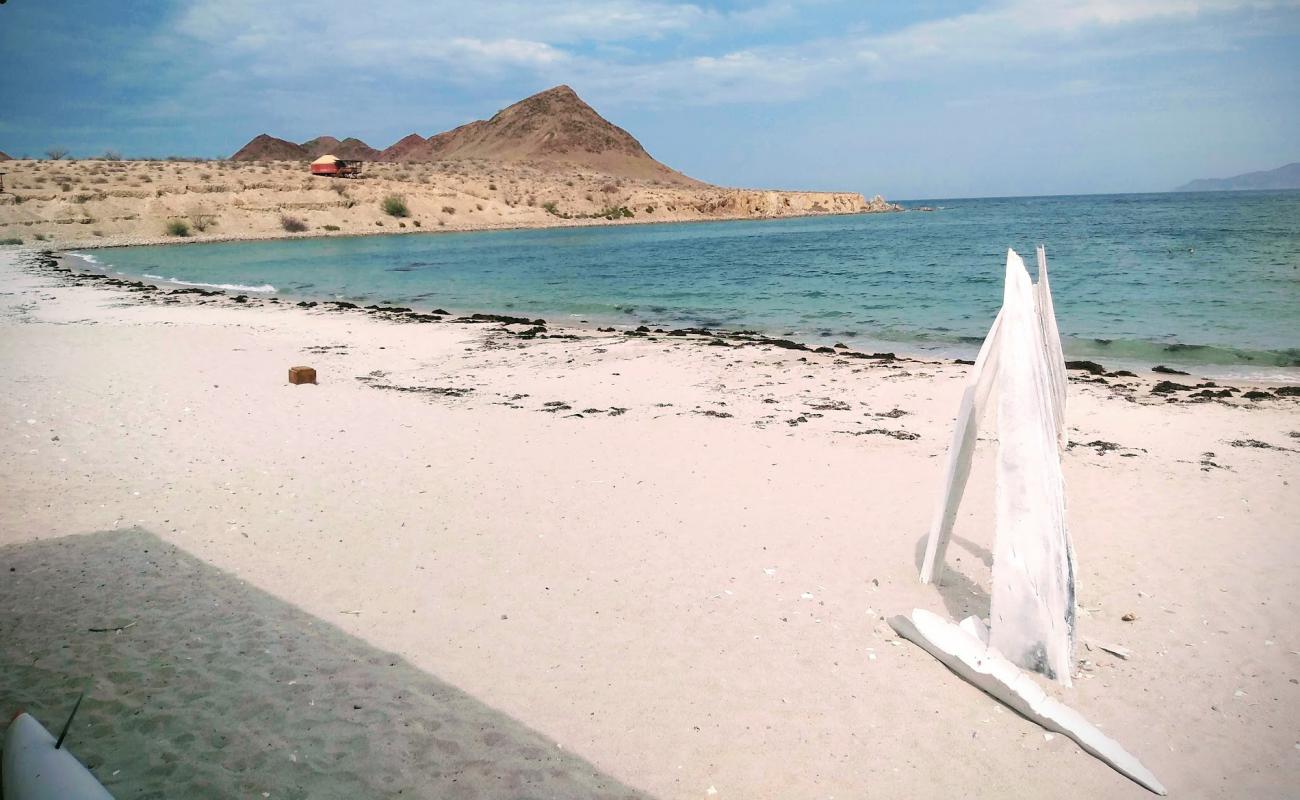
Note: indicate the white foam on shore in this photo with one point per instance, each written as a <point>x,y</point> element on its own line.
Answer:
<point>87,257</point>
<point>230,287</point>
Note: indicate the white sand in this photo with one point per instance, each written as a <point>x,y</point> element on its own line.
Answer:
<point>685,601</point>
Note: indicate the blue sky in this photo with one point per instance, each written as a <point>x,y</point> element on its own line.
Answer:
<point>910,99</point>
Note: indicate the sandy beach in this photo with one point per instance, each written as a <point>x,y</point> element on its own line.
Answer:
<point>475,562</point>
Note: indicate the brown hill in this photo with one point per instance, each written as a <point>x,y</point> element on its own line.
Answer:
<point>350,149</point>
<point>321,145</point>
<point>411,147</point>
<point>356,150</point>
<point>5,156</point>
<point>552,127</point>
<point>265,147</point>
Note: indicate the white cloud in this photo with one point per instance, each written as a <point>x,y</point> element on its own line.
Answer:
<point>660,51</point>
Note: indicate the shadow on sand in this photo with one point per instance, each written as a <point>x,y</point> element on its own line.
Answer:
<point>218,689</point>
<point>961,595</point>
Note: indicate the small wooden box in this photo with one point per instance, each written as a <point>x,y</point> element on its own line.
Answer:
<point>302,375</point>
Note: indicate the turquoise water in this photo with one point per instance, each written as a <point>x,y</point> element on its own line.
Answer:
<point>1162,278</point>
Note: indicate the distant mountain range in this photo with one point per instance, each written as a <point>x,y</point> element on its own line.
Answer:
<point>1287,177</point>
<point>554,126</point>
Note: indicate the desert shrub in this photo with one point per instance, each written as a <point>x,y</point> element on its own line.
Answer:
<point>202,219</point>
<point>65,187</point>
<point>415,222</point>
<point>551,208</point>
<point>609,188</point>
<point>614,212</point>
<point>330,227</point>
<point>11,240</point>
<point>111,155</point>
<point>449,209</point>
<point>83,198</point>
<point>40,237</point>
<point>492,187</point>
<point>97,233</point>
<point>292,224</point>
<point>479,206</point>
<point>56,153</point>
<point>394,205</point>
<point>178,227</point>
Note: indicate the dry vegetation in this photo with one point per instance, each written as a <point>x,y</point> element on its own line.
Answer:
<point>108,202</point>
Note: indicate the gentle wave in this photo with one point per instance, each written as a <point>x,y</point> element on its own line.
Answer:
<point>265,288</point>
<point>87,257</point>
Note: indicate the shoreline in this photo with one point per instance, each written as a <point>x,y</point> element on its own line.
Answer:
<point>670,561</point>
<point>1265,375</point>
<point>590,223</point>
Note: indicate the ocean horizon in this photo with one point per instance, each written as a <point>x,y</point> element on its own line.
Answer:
<point>1210,279</point>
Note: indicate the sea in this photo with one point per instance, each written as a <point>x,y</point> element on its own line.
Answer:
<point>1204,279</point>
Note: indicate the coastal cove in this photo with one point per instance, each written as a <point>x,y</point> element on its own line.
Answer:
<point>1206,280</point>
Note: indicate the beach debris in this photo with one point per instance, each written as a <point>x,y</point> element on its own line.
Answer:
<point>1129,617</point>
<point>1208,463</point>
<point>960,648</point>
<point>905,436</point>
<point>119,628</point>
<point>1237,443</point>
<point>1163,370</point>
<point>1113,649</point>
<point>1166,387</point>
<point>1032,608</point>
<point>299,375</point>
<point>1090,367</point>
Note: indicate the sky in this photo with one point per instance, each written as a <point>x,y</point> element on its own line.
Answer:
<point>920,99</point>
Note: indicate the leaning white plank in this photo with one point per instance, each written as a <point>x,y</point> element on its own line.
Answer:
<point>1031,613</point>
<point>973,402</point>
<point>1052,340</point>
<point>987,669</point>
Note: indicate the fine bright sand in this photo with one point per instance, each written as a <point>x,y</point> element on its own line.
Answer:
<point>470,564</point>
